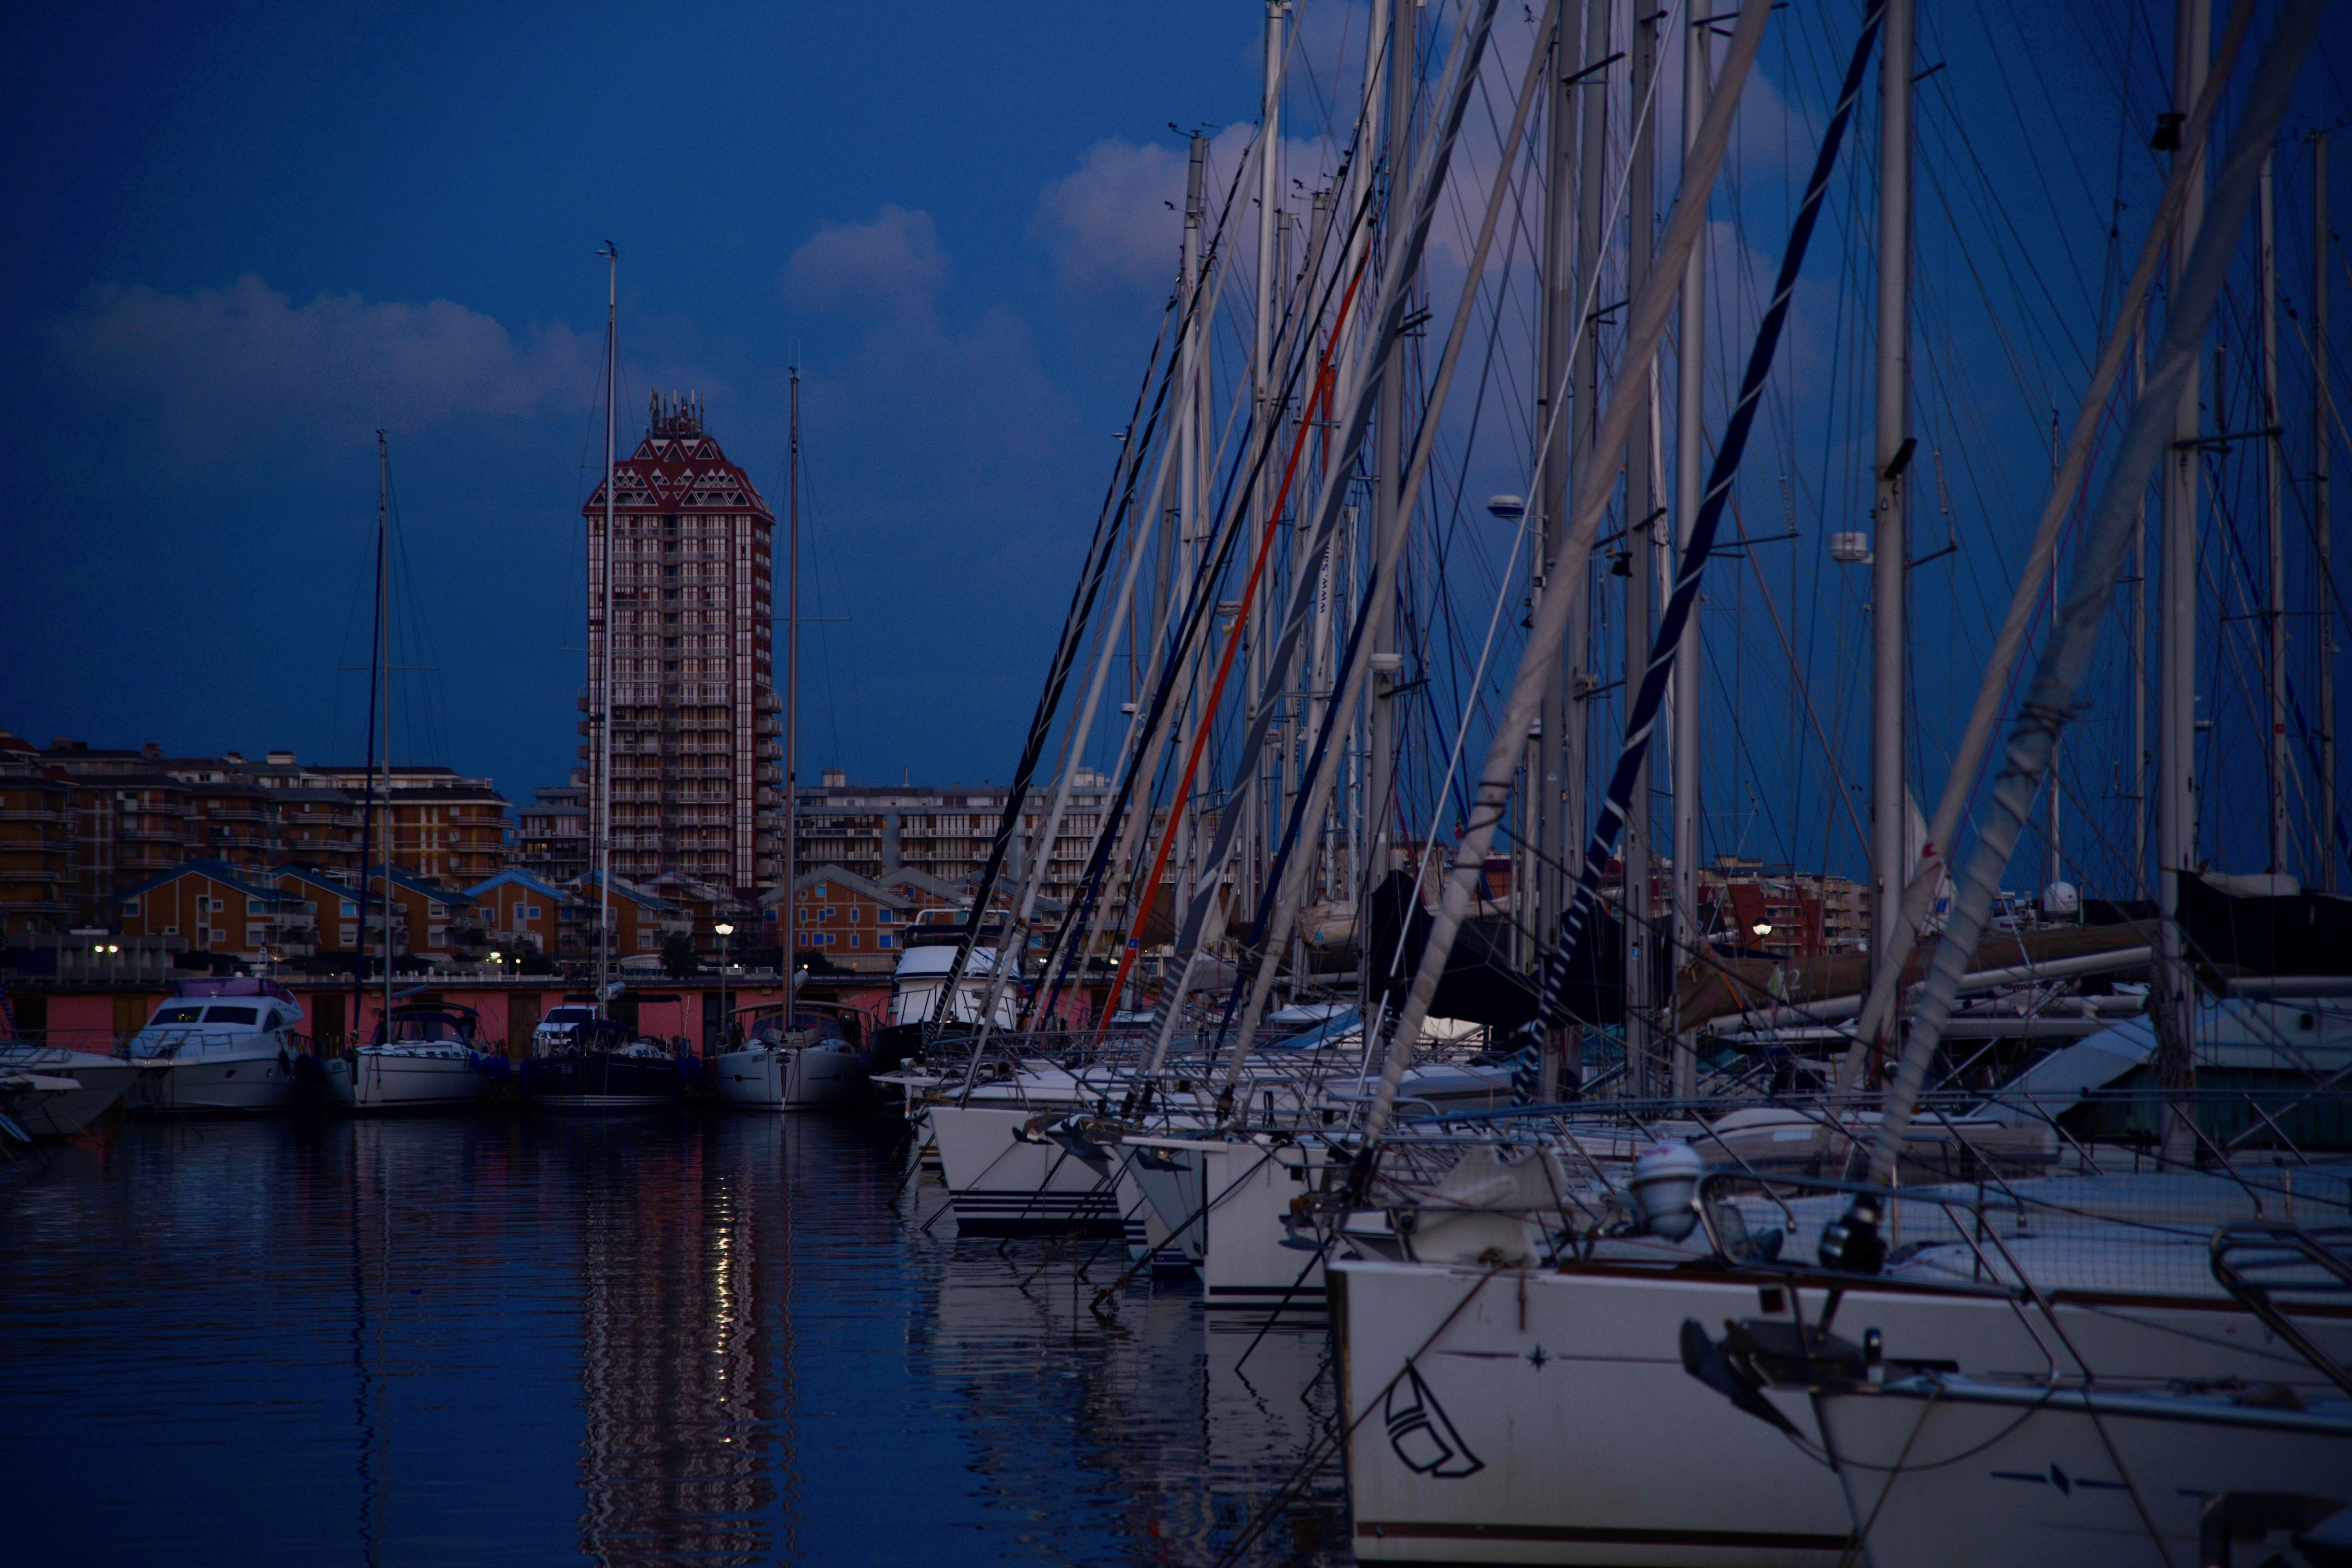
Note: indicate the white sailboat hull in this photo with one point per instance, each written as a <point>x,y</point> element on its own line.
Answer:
<point>1224,1204</point>
<point>1001,1184</point>
<point>793,1078</point>
<point>1547,1416</point>
<point>370,1080</point>
<point>2070,1478</point>
<point>62,1113</point>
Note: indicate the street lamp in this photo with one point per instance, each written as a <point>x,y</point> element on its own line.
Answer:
<point>726,1019</point>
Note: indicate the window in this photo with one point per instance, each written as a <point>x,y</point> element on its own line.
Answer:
<point>853,938</point>
<point>886,917</point>
<point>130,905</point>
<point>179,1013</point>
<point>886,940</point>
<point>245,1015</point>
<point>532,911</point>
<point>350,908</point>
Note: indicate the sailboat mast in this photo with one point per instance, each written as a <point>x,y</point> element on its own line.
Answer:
<point>375,674</point>
<point>1540,829</point>
<point>1591,95</point>
<point>2325,856</point>
<point>384,663</point>
<point>2175,805</point>
<point>1269,224</point>
<point>2273,492</point>
<point>2139,656</point>
<point>1387,465</point>
<point>1642,561</point>
<point>2053,832</point>
<point>604,799</point>
<point>788,935</point>
<point>1890,548</point>
<point>1690,488</point>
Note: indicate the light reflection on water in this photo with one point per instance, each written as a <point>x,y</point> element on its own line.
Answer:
<point>641,1341</point>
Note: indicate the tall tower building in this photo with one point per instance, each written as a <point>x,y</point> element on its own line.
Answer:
<point>697,723</point>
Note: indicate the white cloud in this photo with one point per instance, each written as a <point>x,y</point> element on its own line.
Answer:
<point>1117,221</point>
<point>231,368</point>
<point>891,264</point>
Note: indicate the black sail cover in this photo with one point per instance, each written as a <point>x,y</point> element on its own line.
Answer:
<point>1481,985</point>
<point>2296,934</point>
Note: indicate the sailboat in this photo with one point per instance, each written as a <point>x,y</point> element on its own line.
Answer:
<point>799,1065</point>
<point>598,1066</point>
<point>423,1057</point>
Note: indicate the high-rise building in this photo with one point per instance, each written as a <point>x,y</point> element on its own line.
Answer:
<point>697,753</point>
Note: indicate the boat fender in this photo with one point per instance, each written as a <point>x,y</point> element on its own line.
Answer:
<point>1665,1180</point>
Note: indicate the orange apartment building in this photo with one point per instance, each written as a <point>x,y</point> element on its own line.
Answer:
<point>331,918</point>
<point>854,923</point>
<point>213,906</point>
<point>443,825</point>
<point>515,909</point>
<point>131,816</point>
<point>35,848</point>
<point>641,922</point>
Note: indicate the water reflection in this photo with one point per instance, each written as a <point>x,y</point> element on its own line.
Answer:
<point>638,1342</point>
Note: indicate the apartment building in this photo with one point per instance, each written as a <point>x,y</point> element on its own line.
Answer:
<point>641,922</point>
<point>697,752</point>
<point>36,848</point>
<point>942,831</point>
<point>852,921</point>
<point>1773,909</point>
<point>517,909</point>
<point>130,817</point>
<point>552,832</point>
<point>442,824</point>
<point>213,906</point>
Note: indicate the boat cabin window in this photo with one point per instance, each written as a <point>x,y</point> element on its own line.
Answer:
<point>180,1013</point>
<point>231,1014</point>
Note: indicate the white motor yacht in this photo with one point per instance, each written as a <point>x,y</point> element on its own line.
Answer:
<point>429,1062</point>
<point>44,1106</point>
<point>812,1066</point>
<point>927,953</point>
<point>218,1045</point>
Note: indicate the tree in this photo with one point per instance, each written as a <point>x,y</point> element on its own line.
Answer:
<point>679,960</point>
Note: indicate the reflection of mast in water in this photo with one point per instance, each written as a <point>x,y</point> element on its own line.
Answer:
<point>786,1184</point>
<point>671,1460</point>
<point>367,1393</point>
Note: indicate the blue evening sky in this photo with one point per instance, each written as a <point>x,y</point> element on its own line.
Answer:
<point>248,236</point>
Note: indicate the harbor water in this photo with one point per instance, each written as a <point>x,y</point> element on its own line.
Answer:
<point>639,1340</point>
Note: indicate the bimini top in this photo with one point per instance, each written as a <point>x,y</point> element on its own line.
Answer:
<point>235,986</point>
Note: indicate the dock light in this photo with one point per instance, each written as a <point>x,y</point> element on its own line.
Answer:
<point>1763,927</point>
<point>113,947</point>
<point>495,958</point>
<point>723,929</point>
